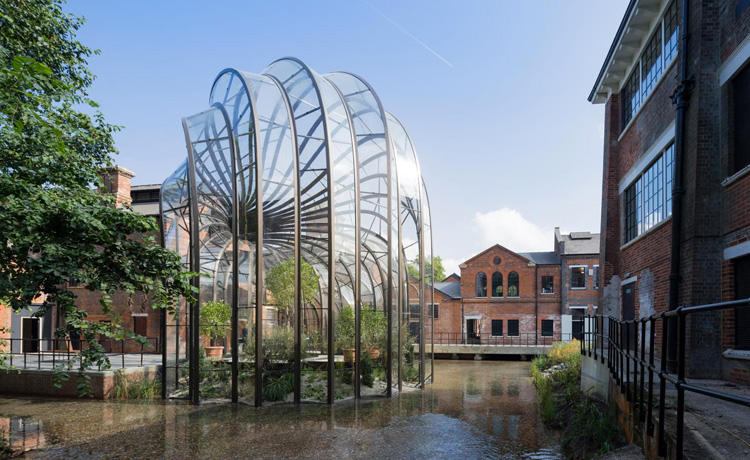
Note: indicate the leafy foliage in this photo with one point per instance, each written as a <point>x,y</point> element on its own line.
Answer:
<point>368,378</point>
<point>215,314</point>
<point>280,281</point>
<point>345,328</point>
<point>437,264</point>
<point>55,224</point>
<point>277,388</point>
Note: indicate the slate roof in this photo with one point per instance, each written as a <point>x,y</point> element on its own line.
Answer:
<point>541,258</point>
<point>451,289</point>
<point>580,243</point>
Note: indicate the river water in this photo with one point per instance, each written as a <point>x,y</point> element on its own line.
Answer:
<point>474,409</point>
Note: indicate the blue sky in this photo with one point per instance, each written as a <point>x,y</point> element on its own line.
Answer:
<point>493,93</point>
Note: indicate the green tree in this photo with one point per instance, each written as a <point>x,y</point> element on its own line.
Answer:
<point>55,225</point>
<point>280,281</point>
<point>438,276</point>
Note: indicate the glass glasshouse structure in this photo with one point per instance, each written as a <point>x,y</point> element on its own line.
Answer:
<point>302,206</point>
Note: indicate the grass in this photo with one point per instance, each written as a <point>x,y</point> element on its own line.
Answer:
<point>135,387</point>
<point>590,429</point>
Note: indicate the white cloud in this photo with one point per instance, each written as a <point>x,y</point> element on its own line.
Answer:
<point>451,265</point>
<point>509,228</point>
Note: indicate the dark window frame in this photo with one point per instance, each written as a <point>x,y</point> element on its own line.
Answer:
<point>514,283</point>
<point>514,324</point>
<point>741,118</point>
<point>548,328</point>
<point>480,287</point>
<point>551,280</point>
<point>497,323</point>
<point>497,282</point>
<point>578,276</point>
<point>742,291</point>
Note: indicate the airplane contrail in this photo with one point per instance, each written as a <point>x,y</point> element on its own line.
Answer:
<point>408,33</point>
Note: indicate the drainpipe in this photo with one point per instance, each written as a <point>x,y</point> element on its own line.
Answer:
<point>680,98</point>
<point>463,335</point>
<point>536,304</point>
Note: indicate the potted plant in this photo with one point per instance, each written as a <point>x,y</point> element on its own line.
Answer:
<point>214,319</point>
<point>374,331</point>
<point>345,332</point>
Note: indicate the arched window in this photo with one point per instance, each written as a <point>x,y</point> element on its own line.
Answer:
<point>497,284</point>
<point>513,285</point>
<point>481,285</point>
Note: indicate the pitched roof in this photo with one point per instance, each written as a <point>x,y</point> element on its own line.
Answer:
<point>579,243</point>
<point>542,258</point>
<point>496,246</point>
<point>451,289</point>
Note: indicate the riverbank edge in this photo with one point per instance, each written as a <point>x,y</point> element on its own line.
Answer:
<point>587,426</point>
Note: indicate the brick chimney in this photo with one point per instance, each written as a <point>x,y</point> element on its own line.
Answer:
<point>116,181</point>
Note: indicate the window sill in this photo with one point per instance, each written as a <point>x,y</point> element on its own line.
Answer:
<point>648,98</point>
<point>548,293</point>
<point>642,235</point>
<point>577,289</point>
<point>736,176</point>
<point>737,354</point>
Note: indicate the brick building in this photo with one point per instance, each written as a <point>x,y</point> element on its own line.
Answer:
<point>535,297</point>
<point>134,309</point>
<point>643,141</point>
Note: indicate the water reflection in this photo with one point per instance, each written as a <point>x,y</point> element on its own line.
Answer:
<point>472,410</point>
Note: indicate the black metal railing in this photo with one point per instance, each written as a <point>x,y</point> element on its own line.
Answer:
<point>624,344</point>
<point>525,339</point>
<point>35,353</point>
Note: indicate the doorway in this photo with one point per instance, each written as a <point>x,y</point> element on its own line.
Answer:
<point>472,332</point>
<point>628,313</point>
<point>30,335</point>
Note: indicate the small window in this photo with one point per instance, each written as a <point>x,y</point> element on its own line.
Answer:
<point>548,327</point>
<point>497,328</point>
<point>496,260</point>
<point>140,325</point>
<point>513,290</point>
<point>481,287</point>
<point>741,89</point>
<point>513,328</point>
<point>631,96</point>
<point>497,284</point>
<point>73,282</point>
<point>548,286</point>
<point>578,277</point>
<point>742,314</point>
<point>596,277</point>
<point>671,33</point>
<point>414,310</point>
<point>434,311</point>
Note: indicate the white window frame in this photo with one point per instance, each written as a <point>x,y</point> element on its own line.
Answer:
<point>585,277</point>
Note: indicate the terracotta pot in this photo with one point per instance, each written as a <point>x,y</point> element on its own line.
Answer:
<point>348,354</point>
<point>214,352</point>
<point>374,352</point>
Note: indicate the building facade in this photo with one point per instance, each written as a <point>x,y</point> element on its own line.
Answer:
<point>644,140</point>
<point>527,298</point>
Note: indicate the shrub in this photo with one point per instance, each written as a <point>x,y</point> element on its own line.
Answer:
<point>276,389</point>
<point>368,378</point>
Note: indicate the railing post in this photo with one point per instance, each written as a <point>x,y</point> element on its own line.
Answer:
<point>663,384</point>
<point>641,414</point>
<point>626,353</point>
<point>681,326</point>
<point>650,422</point>
<point>635,363</point>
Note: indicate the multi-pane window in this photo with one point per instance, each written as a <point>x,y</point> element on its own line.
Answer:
<point>481,285</point>
<point>651,64</point>
<point>433,311</point>
<point>497,284</point>
<point>741,90</point>
<point>513,328</point>
<point>742,291</point>
<point>578,277</point>
<point>548,286</point>
<point>548,327</point>
<point>671,33</point>
<point>631,97</point>
<point>669,178</point>
<point>414,310</point>
<point>513,284</point>
<point>497,327</point>
<point>653,194</point>
<point>658,53</point>
<point>648,200</point>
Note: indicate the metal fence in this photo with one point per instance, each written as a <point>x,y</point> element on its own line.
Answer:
<point>36,353</point>
<point>633,367</point>
<point>525,339</point>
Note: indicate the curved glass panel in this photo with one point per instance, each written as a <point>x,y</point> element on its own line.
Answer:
<point>303,230</point>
